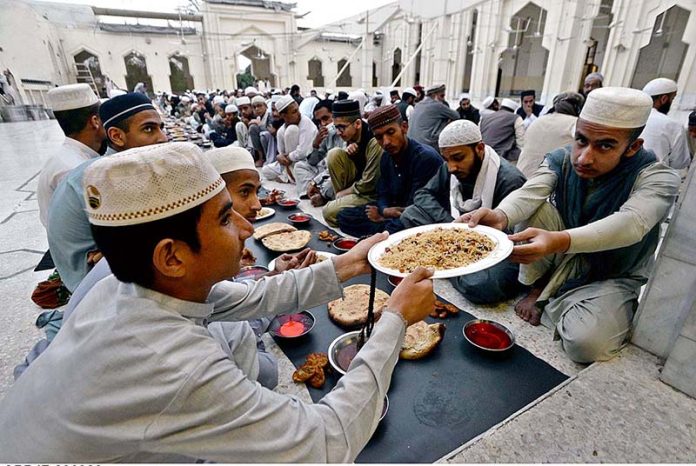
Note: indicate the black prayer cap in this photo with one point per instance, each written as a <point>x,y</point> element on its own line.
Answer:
<point>342,95</point>
<point>692,118</point>
<point>531,92</point>
<point>345,108</point>
<point>123,106</point>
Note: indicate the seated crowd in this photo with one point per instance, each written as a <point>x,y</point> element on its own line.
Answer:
<point>158,357</point>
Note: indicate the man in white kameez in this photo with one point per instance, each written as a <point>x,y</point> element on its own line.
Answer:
<point>147,383</point>
<point>587,250</point>
<point>662,135</point>
<point>76,108</point>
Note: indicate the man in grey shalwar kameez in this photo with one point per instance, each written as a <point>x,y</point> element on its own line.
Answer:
<point>590,247</point>
<point>473,176</point>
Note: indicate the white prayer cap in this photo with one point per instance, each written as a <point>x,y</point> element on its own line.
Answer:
<point>409,90</point>
<point>148,183</point>
<point>231,108</point>
<point>660,86</point>
<point>488,101</point>
<point>71,97</point>
<point>275,98</point>
<point>509,104</point>
<point>185,99</point>
<point>258,99</point>
<point>117,92</point>
<point>464,95</point>
<point>328,91</point>
<point>459,133</point>
<point>617,107</point>
<point>243,101</point>
<point>230,159</point>
<point>218,100</point>
<point>435,88</point>
<point>284,102</point>
<point>359,96</point>
<point>250,90</point>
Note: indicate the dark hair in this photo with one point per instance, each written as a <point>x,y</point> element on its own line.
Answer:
<point>74,121</point>
<point>326,103</point>
<point>635,134</point>
<point>294,88</point>
<point>350,118</point>
<point>129,249</point>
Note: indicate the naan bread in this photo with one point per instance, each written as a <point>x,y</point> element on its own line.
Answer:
<point>421,339</point>
<point>288,241</point>
<point>351,311</point>
<point>271,229</point>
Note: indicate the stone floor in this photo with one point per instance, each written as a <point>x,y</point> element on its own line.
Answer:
<point>617,411</point>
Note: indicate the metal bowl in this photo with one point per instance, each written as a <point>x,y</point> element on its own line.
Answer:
<point>306,318</point>
<point>252,272</point>
<point>394,281</point>
<point>300,219</point>
<point>488,335</point>
<point>339,356</point>
<point>288,203</point>
<point>344,244</point>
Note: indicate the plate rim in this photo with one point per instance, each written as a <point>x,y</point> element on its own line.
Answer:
<point>263,217</point>
<point>501,238</point>
<point>323,253</point>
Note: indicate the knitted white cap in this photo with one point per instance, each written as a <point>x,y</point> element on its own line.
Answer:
<point>148,183</point>
<point>409,90</point>
<point>71,97</point>
<point>660,86</point>
<point>509,104</point>
<point>459,133</point>
<point>464,95</point>
<point>218,100</point>
<point>231,108</point>
<point>617,107</point>
<point>250,90</point>
<point>230,159</point>
<point>186,99</point>
<point>284,102</point>
<point>258,99</point>
<point>243,101</point>
<point>488,101</point>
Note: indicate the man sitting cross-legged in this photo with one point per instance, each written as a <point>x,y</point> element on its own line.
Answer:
<point>406,166</point>
<point>474,176</point>
<point>589,247</point>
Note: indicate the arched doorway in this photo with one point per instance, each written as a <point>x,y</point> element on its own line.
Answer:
<point>260,64</point>
<point>396,66</point>
<point>314,67</point>
<point>664,55</point>
<point>91,61</point>
<point>180,77</point>
<point>345,79</point>
<point>523,63</point>
<point>136,71</point>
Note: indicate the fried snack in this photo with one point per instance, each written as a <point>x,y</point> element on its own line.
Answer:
<point>272,197</point>
<point>441,249</point>
<point>312,371</point>
<point>325,235</point>
<point>318,379</point>
<point>321,359</point>
<point>304,373</point>
<point>248,258</point>
<point>443,310</point>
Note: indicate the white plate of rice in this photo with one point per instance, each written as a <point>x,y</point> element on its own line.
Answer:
<point>452,249</point>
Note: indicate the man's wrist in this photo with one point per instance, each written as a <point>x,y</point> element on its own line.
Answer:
<point>403,319</point>
<point>562,241</point>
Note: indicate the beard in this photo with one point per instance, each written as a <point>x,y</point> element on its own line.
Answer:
<point>664,108</point>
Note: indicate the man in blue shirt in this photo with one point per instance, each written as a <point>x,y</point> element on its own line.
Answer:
<point>405,167</point>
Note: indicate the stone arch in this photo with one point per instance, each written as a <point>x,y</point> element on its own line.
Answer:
<point>396,66</point>
<point>180,77</point>
<point>260,63</point>
<point>523,64</point>
<point>315,73</point>
<point>136,71</point>
<point>665,53</point>
<point>345,79</point>
<point>91,60</point>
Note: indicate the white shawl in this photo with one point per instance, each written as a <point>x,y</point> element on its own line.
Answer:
<point>484,187</point>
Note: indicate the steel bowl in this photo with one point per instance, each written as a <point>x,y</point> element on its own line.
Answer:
<point>488,335</point>
<point>394,281</point>
<point>288,203</point>
<point>300,219</point>
<point>304,317</point>
<point>338,359</point>
<point>344,244</point>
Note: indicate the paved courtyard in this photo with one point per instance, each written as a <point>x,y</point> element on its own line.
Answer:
<point>616,411</point>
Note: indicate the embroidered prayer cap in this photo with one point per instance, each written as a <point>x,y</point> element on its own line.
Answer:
<point>509,104</point>
<point>409,91</point>
<point>148,183</point>
<point>528,92</point>
<point>284,102</point>
<point>383,116</point>
<point>434,89</point>
<point>250,91</point>
<point>243,101</point>
<point>230,159</point>
<point>258,99</point>
<point>488,101</point>
<point>71,97</point>
<point>617,107</point>
<point>345,108</point>
<point>660,86</point>
<point>459,133</point>
<point>231,108</point>
<point>119,108</point>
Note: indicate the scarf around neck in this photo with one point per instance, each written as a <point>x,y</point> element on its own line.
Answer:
<point>484,188</point>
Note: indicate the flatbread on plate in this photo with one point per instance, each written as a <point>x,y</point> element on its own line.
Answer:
<point>271,229</point>
<point>351,310</point>
<point>421,339</point>
<point>287,241</point>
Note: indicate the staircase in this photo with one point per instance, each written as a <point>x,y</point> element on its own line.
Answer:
<point>84,75</point>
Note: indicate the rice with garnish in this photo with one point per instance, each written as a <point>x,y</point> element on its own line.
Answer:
<point>441,249</point>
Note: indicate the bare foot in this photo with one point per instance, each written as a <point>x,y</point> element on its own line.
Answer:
<point>317,200</point>
<point>527,309</point>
